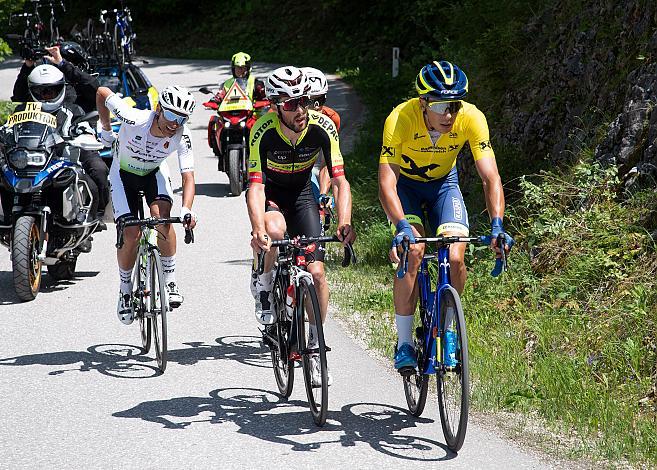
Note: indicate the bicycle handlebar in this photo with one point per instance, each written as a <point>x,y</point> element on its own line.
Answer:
<point>152,222</point>
<point>500,263</point>
<point>300,242</point>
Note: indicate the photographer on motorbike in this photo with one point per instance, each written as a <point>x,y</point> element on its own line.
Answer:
<point>79,97</point>
<point>240,66</point>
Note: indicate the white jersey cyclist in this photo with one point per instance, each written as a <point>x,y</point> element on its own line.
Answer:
<point>138,152</point>
<point>145,140</point>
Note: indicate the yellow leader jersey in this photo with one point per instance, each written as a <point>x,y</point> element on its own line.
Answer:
<point>407,143</point>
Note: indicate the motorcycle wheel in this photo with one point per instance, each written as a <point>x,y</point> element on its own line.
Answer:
<point>234,173</point>
<point>25,261</point>
<point>63,270</point>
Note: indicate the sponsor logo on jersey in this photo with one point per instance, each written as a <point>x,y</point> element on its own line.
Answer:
<point>453,135</point>
<point>187,141</point>
<point>387,151</point>
<point>485,145</point>
<point>452,147</point>
<point>458,209</point>
<point>417,136</point>
<point>328,126</point>
<point>261,130</point>
<point>166,144</point>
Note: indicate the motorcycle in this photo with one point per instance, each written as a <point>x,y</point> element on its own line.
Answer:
<point>46,205</point>
<point>228,133</point>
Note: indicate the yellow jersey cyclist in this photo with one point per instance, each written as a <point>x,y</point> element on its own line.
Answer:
<point>284,146</point>
<point>144,142</point>
<point>417,171</point>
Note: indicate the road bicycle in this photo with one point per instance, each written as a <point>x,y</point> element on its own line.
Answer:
<point>149,296</point>
<point>121,35</point>
<point>295,297</point>
<point>53,25</point>
<point>441,341</point>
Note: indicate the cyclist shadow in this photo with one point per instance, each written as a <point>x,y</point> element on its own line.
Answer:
<point>114,360</point>
<point>247,350</point>
<point>220,190</point>
<point>290,423</point>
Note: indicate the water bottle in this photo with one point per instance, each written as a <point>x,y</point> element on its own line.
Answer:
<point>289,301</point>
<point>449,348</point>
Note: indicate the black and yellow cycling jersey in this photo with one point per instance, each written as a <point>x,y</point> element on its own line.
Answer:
<point>275,161</point>
<point>407,142</point>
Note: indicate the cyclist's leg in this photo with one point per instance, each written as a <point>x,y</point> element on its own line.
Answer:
<point>449,216</point>
<point>405,290</point>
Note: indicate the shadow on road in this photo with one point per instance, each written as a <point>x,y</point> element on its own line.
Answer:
<point>48,284</point>
<point>210,190</point>
<point>126,361</point>
<point>114,360</point>
<point>290,423</point>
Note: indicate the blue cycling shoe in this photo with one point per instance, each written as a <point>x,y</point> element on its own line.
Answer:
<point>405,357</point>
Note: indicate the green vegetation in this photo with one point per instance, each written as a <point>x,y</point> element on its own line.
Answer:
<point>6,108</point>
<point>570,332</point>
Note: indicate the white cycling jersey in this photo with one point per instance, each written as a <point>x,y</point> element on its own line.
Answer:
<point>137,150</point>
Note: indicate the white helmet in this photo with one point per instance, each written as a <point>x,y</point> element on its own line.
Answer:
<point>177,99</point>
<point>287,81</point>
<point>47,85</point>
<point>317,79</point>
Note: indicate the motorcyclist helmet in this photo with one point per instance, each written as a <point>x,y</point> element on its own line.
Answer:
<point>178,100</point>
<point>47,85</point>
<point>75,54</point>
<point>441,81</point>
<point>318,85</point>
<point>240,59</point>
<point>286,82</point>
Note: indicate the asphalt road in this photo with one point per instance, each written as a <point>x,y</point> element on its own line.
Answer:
<point>75,391</point>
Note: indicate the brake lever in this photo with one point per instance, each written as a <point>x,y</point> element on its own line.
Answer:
<point>402,268</point>
<point>189,233</point>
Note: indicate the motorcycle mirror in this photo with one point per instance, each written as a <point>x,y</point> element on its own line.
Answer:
<point>205,90</point>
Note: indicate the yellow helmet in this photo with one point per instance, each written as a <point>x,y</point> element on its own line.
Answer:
<point>241,59</point>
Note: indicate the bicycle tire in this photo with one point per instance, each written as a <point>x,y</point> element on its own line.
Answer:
<point>145,324</point>
<point>317,395</point>
<point>417,384</point>
<point>119,50</point>
<point>280,355</point>
<point>159,306</point>
<point>454,383</point>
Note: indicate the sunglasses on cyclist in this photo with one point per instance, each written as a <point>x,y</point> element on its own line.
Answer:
<point>174,117</point>
<point>441,107</point>
<point>292,104</point>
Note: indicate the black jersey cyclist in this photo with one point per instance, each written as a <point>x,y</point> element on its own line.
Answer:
<point>284,146</point>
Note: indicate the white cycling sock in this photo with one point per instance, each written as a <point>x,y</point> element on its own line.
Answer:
<point>169,269</point>
<point>404,329</point>
<point>266,280</point>
<point>126,280</point>
<point>313,340</point>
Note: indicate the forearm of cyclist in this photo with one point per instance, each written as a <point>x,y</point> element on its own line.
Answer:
<point>388,175</point>
<point>342,192</point>
<point>103,112</point>
<point>255,203</point>
<point>188,189</point>
<point>492,186</point>
<point>324,181</point>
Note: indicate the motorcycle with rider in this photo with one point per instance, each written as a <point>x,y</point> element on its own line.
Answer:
<point>48,205</point>
<point>238,104</point>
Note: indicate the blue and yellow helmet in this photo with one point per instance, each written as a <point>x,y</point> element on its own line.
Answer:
<point>442,80</point>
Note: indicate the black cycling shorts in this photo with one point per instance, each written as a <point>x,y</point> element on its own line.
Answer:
<point>301,216</point>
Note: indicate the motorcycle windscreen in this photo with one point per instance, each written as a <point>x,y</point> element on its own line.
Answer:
<point>34,130</point>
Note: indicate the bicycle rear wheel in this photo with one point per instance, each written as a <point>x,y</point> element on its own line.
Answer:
<point>158,309</point>
<point>280,354</point>
<point>416,385</point>
<point>317,393</point>
<point>454,382</point>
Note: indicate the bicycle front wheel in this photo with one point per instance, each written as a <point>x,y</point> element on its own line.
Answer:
<point>159,305</point>
<point>454,379</point>
<point>139,277</point>
<point>315,370</point>
<point>280,354</point>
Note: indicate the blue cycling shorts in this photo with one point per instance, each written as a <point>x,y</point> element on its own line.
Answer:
<point>441,200</point>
